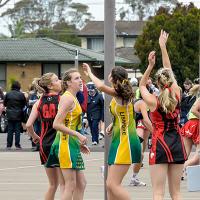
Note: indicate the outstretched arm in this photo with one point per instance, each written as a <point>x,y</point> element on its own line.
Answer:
<point>149,98</point>
<point>99,84</point>
<point>162,42</point>
<point>165,58</point>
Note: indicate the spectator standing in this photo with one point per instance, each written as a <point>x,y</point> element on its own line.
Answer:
<point>187,85</point>
<point>188,99</point>
<point>95,111</point>
<point>1,101</point>
<point>14,102</point>
<point>32,99</point>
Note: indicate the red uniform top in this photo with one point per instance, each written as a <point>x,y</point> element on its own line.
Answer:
<point>167,143</point>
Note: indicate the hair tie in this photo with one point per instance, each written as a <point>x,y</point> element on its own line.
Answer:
<point>124,81</point>
<point>166,86</point>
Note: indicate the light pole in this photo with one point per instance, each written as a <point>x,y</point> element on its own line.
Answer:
<point>109,63</point>
<point>76,59</point>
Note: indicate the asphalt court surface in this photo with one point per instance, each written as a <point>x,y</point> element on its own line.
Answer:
<point>23,178</point>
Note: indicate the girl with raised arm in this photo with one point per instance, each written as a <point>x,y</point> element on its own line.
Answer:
<point>125,147</point>
<point>45,109</point>
<point>167,154</point>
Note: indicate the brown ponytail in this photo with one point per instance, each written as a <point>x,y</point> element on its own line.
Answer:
<point>121,84</point>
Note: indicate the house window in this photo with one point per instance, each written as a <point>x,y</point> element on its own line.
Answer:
<point>96,44</point>
<point>65,67</point>
<point>50,67</point>
<point>129,42</point>
<point>3,75</point>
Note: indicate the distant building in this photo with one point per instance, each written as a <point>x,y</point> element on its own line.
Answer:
<point>25,59</point>
<point>92,37</point>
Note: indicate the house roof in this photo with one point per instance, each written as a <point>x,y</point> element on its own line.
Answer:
<point>123,28</point>
<point>128,53</point>
<point>48,50</point>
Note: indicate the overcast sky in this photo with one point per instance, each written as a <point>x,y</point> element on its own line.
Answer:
<point>96,7</point>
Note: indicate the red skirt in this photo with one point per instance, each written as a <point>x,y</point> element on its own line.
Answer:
<point>191,130</point>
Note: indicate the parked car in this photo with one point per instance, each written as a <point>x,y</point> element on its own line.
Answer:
<point>3,119</point>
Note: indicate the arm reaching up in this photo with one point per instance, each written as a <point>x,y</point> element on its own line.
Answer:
<point>165,58</point>
<point>148,98</point>
<point>99,84</point>
<point>162,42</point>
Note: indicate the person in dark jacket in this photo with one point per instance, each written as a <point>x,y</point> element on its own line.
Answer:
<point>14,102</point>
<point>95,111</point>
<point>32,99</point>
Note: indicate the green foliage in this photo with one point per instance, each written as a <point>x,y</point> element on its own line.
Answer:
<point>10,81</point>
<point>42,14</point>
<point>79,14</point>
<point>62,32</point>
<point>143,8</point>
<point>183,42</point>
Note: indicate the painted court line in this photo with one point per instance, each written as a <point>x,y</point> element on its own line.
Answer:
<point>33,166</point>
<point>38,183</point>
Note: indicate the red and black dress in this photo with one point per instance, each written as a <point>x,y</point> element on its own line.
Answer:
<point>47,110</point>
<point>167,143</point>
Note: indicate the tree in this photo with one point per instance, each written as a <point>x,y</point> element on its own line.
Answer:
<point>43,14</point>
<point>61,31</point>
<point>143,8</point>
<point>3,2</point>
<point>79,14</point>
<point>183,43</point>
<point>34,13</point>
<point>18,30</point>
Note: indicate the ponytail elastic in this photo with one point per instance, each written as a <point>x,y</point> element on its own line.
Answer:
<point>124,81</point>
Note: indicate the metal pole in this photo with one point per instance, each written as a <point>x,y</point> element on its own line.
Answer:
<point>76,59</point>
<point>109,63</point>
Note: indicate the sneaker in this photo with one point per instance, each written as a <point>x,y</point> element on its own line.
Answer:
<point>102,134</point>
<point>94,143</point>
<point>100,137</point>
<point>136,182</point>
<point>18,147</point>
<point>8,148</point>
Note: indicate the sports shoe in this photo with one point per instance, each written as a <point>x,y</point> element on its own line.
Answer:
<point>136,182</point>
<point>18,147</point>
<point>94,143</point>
<point>100,137</point>
<point>102,134</point>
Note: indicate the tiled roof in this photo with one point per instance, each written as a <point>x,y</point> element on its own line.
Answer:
<point>123,28</point>
<point>128,53</point>
<point>45,49</point>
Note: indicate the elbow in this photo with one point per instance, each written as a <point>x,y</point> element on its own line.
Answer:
<point>55,125</point>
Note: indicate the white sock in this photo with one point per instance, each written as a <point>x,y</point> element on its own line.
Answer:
<point>135,175</point>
